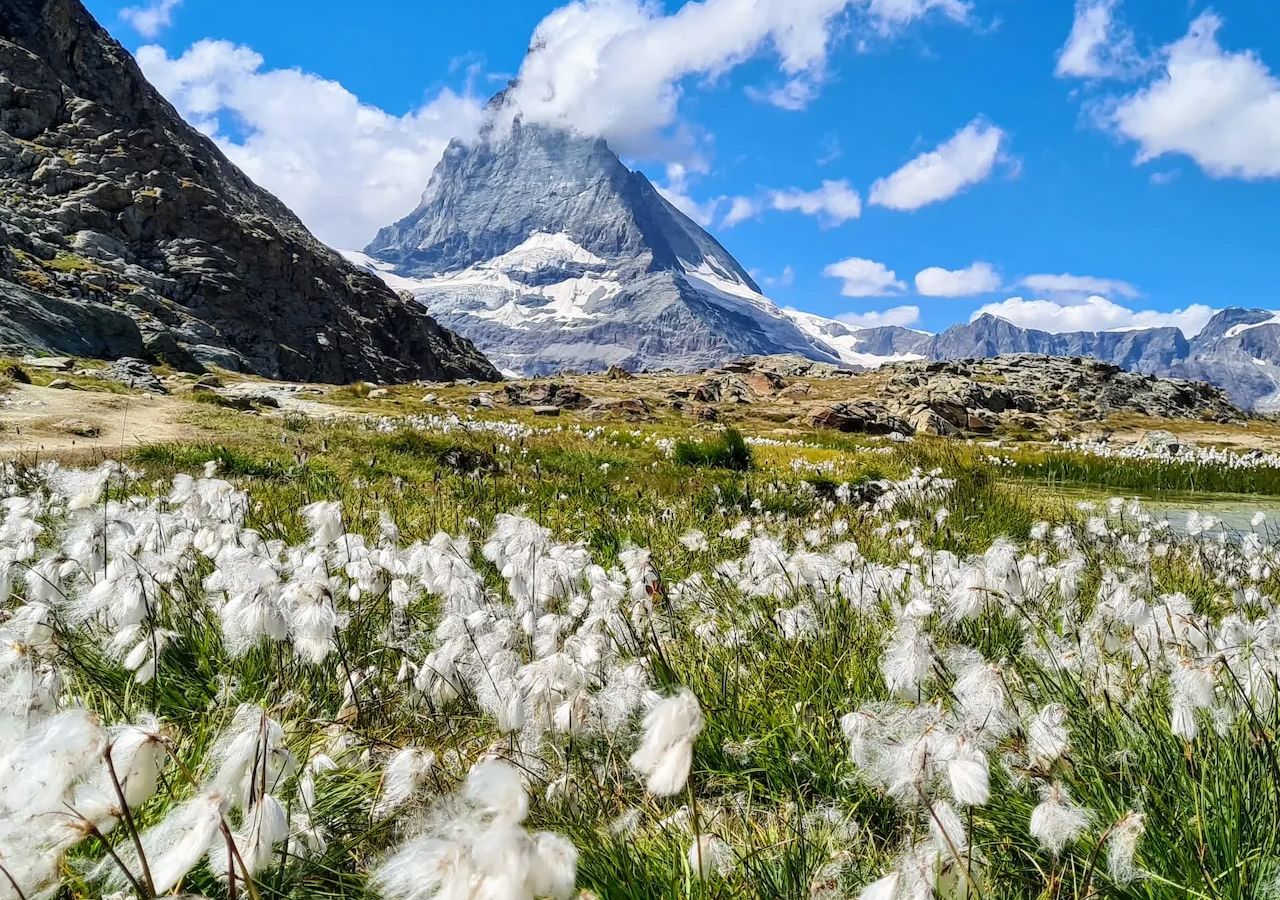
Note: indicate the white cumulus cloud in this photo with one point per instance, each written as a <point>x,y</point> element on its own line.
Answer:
<point>979,278</point>
<point>740,210</point>
<point>616,68</point>
<point>864,277</point>
<point>151,19</point>
<point>1098,46</point>
<point>835,202</point>
<point>1094,314</point>
<point>889,15</point>
<point>1220,108</point>
<point>345,167</point>
<point>968,157</point>
<point>897,315</point>
<point>1078,286</point>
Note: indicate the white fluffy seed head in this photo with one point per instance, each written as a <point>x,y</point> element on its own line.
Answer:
<point>709,856</point>
<point>1057,820</point>
<point>666,750</point>
<point>1122,844</point>
<point>1047,738</point>
<point>496,790</point>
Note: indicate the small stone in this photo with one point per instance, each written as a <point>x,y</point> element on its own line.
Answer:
<point>379,394</point>
<point>78,427</point>
<point>61,384</point>
<point>546,410</point>
<point>52,363</point>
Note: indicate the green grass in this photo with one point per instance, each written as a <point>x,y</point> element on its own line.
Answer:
<point>771,770</point>
<point>71,262</point>
<point>209,398</point>
<point>726,451</point>
<point>1147,476</point>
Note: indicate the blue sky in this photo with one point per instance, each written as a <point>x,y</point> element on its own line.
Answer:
<point>1058,106</point>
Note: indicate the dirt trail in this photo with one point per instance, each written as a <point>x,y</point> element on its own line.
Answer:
<point>43,420</point>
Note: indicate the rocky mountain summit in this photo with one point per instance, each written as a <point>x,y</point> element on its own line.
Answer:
<point>542,247</point>
<point>124,232</point>
<point>548,252</point>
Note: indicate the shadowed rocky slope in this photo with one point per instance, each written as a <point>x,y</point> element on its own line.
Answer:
<point>123,231</point>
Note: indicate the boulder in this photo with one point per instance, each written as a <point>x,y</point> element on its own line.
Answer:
<point>79,428</point>
<point>632,408</point>
<point>550,411</point>
<point>764,384</point>
<point>857,417</point>
<point>1165,442</point>
<point>550,393</point>
<point>51,363</point>
<point>926,421</point>
<point>136,374</point>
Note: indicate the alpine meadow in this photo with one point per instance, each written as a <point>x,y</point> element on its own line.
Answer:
<point>408,491</point>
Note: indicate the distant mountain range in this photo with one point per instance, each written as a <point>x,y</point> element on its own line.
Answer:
<point>545,250</point>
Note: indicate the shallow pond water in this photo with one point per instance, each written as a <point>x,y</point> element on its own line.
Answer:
<point>1236,511</point>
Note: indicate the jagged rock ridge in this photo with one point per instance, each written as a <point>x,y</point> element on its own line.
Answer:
<point>549,253</point>
<point>1238,350</point>
<point>123,231</point>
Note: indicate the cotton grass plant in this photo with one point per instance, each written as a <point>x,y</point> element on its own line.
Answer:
<point>337,663</point>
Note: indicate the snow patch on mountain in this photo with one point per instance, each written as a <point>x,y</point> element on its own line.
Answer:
<point>844,340</point>
<point>1237,330</point>
<point>548,278</point>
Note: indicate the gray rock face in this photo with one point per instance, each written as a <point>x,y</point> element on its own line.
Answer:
<point>124,232</point>
<point>1023,390</point>
<point>34,321</point>
<point>966,392</point>
<point>544,249</point>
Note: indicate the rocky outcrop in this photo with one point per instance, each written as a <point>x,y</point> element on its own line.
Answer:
<point>789,365</point>
<point>124,232</point>
<point>1238,350</point>
<point>63,325</point>
<point>546,393</point>
<point>862,417</point>
<point>1026,391</point>
<point>976,395</point>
